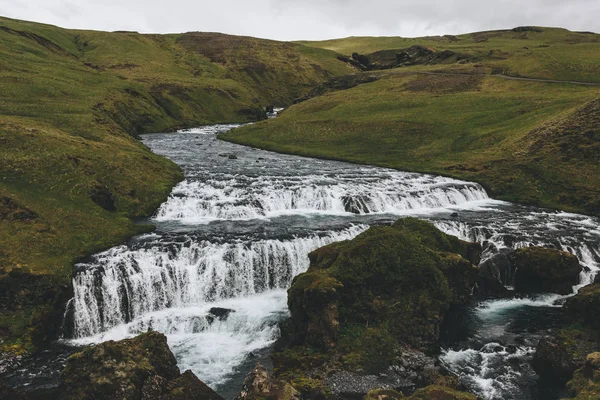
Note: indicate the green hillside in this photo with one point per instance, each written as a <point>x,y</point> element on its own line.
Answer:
<point>550,53</point>
<point>72,172</point>
<point>526,141</point>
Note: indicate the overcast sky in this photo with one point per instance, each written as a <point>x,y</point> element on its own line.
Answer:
<point>308,19</point>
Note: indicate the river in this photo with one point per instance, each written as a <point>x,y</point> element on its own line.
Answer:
<point>236,231</point>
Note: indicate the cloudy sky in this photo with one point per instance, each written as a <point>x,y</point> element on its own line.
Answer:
<point>308,19</point>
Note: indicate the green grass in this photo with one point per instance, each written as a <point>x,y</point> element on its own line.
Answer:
<point>71,106</point>
<point>552,53</point>
<point>529,142</point>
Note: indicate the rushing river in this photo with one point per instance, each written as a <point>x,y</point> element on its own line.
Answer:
<point>239,228</point>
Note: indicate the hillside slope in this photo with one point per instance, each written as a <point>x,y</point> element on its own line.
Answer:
<point>434,111</point>
<point>72,172</point>
<point>549,53</point>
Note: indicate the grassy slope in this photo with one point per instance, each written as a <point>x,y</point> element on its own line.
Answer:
<point>71,103</point>
<point>531,142</point>
<point>552,53</point>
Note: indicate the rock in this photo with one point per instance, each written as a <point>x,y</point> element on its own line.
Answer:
<point>102,196</point>
<point>436,392</point>
<point>542,270</point>
<point>586,380</point>
<point>552,362</point>
<point>7,393</point>
<point>384,394</point>
<point>496,273</point>
<point>585,306</point>
<point>260,385</point>
<point>140,368</point>
<point>375,303</point>
<point>220,313</point>
<point>232,157</point>
<point>405,276</point>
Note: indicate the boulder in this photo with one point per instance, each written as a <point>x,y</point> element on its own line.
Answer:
<point>404,276</point>
<point>585,306</point>
<point>496,273</point>
<point>366,310</point>
<point>543,270</point>
<point>139,368</point>
<point>558,356</point>
<point>433,392</point>
<point>259,385</point>
<point>586,381</point>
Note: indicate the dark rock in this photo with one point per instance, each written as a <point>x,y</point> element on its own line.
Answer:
<point>232,157</point>
<point>543,270</point>
<point>11,210</point>
<point>260,385</point>
<point>585,306</point>
<point>7,393</point>
<point>102,196</point>
<point>139,368</point>
<point>496,273</point>
<point>220,313</point>
<point>521,29</point>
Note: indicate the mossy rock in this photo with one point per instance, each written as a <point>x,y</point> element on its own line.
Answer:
<point>585,306</point>
<point>142,367</point>
<point>558,356</point>
<point>585,384</point>
<point>543,270</point>
<point>384,394</point>
<point>441,393</point>
<point>404,277</point>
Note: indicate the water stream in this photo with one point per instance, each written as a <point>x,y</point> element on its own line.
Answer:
<point>236,231</point>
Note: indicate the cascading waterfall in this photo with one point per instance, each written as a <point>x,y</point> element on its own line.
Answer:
<point>232,236</point>
<point>125,283</point>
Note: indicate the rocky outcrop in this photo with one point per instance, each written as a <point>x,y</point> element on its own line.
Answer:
<point>495,274</point>
<point>259,385</point>
<point>543,270</point>
<point>433,392</point>
<point>585,306</point>
<point>585,384</point>
<point>404,276</point>
<point>140,368</point>
<point>366,309</point>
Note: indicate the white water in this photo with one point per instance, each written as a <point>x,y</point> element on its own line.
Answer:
<point>236,231</point>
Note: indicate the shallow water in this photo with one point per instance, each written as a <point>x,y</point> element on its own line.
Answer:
<point>239,228</point>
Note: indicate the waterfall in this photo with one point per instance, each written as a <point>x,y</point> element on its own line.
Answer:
<point>126,282</point>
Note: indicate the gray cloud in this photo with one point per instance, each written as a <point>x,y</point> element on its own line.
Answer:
<point>308,19</point>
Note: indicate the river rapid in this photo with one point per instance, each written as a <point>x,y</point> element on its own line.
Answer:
<point>237,230</point>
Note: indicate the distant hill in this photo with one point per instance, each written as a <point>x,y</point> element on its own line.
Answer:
<point>550,53</point>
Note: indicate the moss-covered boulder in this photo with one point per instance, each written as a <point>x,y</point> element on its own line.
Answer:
<point>436,392</point>
<point>585,384</point>
<point>585,306</point>
<point>402,278</point>
<point>139,368</point>
<point>259,385</point>
<point>544,270</point>
<point>367,309</point>
<point>433,392</point>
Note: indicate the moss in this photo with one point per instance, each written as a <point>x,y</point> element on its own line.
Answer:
<point>441,393</point>
<point>383,394</point>
<point>585,384</point>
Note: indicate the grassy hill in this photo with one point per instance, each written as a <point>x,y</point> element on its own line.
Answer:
<point>550,53</point>
<point>72,172</point>
<point>525,141</point>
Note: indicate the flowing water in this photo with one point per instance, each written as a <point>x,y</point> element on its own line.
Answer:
<point>234,233</point>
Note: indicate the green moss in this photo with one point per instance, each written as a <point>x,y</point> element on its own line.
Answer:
<point>441,393</point>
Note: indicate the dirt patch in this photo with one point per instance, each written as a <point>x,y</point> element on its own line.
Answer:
<point>444,84</point>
